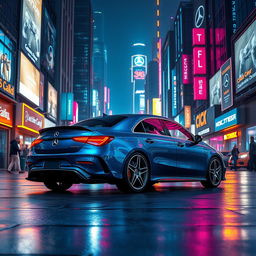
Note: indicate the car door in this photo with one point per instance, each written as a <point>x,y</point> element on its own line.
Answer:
<point>158,146</point>
<point>191,157</point>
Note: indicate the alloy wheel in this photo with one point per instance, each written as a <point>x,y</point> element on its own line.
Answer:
<point>137,172</point>
<point>215,172</point>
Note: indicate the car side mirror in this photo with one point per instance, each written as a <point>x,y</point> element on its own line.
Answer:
<point>198,139</point>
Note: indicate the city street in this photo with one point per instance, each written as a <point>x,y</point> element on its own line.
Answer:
<point>174,219</point>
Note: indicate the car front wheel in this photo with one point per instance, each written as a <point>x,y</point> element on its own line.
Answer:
<point>214,174</point>
<point>136,174</point>
<point>55,185</point>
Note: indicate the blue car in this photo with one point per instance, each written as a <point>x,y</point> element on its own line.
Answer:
<point>131,151</point>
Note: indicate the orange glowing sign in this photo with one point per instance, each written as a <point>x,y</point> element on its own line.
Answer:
<point>28,118</point>
<point>231,135</point>
<point>6,113</point>
<point>187,114</point>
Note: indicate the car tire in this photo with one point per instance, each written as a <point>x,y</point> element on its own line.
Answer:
<point>136,174</point>
<point>214,173</point>
<point>59,186</point>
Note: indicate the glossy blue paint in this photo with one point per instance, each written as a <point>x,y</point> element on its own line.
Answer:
<point>168,157</point>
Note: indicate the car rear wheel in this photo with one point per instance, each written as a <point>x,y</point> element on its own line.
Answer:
<point>214,174</point>
<point>55,185</point>
<point>136,175</point>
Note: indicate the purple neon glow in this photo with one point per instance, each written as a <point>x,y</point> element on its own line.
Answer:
<point>160,66</point>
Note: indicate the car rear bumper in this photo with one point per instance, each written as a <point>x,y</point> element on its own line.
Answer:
<point>75,168</point>
<point>74,175</point>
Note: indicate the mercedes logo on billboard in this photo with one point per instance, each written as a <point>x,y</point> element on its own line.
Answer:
<point>226,80</point>
<point>56,134</point>
<point>139,61</point>
<point>55,142</point>
<point>199,16</point>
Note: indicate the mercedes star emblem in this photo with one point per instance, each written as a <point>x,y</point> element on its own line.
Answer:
<point>56,134</point>
<point>55,142</point>
<point>139,61</point>
<point>199,17</point>
<point>226,80</point>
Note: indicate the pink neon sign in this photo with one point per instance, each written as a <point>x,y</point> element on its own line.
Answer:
<point>186,69</point>
<point>139,75</point>
<point>75,113</point>
<point>199,57</point>
<point>200,88</point>
<point>198,36</point>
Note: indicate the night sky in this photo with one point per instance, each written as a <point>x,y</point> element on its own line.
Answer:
<point>128,22</point>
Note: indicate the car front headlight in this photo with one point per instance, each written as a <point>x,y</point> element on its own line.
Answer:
<point>243,156</point>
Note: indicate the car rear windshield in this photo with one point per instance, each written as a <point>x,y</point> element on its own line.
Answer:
<point>105,121</point>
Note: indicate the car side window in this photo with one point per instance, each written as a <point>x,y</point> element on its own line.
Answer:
<point>139,128</point>
<point>154,126</point>
<point>177,131</point>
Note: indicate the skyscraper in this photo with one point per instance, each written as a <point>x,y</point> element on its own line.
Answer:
<point>83,57</point>
<point>99,63</point>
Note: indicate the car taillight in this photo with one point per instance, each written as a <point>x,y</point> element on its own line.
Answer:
<point>36,142</point>
<point>94,140</point>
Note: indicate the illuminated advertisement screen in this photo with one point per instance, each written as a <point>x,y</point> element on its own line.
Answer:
<point>6,66</point>
<point>31,29</point>
<point>214,89</point>
<point>52,101</point>
<point>138,67</point>
<point>226,85</point>
<point>29,80</point>
<point>41,92</point>
<point>186,69</point>
<point>49,45</point>
<point>245,58</point>
<point>174,93</point>
<point>199,56</point>
<point>139,73</point>
<point>200,88</point>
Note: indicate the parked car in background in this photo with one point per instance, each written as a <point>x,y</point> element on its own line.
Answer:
<point>242,162</point>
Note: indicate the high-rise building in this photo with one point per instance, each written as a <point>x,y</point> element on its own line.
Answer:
<point>36,68</point>
<point>151,86</point>
<point>9,36</point>
<point>99,63</point>
<point>223,42</point>
<point>177,68</point>
<point>83,43</point>
<point>168,59</point>
<point>65,56</point>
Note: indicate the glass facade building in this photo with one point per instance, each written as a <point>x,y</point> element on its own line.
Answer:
<point>82,78</point>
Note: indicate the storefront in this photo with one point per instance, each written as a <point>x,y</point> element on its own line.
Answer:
<point>6,123</point>
<point>28,123</point>
<point>221,132</point>
<point>204,123</point>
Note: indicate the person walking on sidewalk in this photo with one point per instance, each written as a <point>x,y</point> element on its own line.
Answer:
<point>15,156</point>
<point>234,154</point>
<point>252,155</point>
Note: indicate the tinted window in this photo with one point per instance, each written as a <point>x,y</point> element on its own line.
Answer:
<point>105,121</point>
<point>154,126</point>
<point>177,131</point>
<point>139,128</point>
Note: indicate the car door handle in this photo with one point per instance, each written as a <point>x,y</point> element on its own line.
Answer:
<point>150,141</point>
<point>179,144</point>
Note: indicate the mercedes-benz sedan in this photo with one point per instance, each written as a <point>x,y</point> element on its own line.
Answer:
<point>131,151</point>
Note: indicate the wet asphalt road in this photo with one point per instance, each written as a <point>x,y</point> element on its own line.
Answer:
<point>175,219</point>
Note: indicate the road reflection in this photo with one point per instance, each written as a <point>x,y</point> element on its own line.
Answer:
<point>100,220</point>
